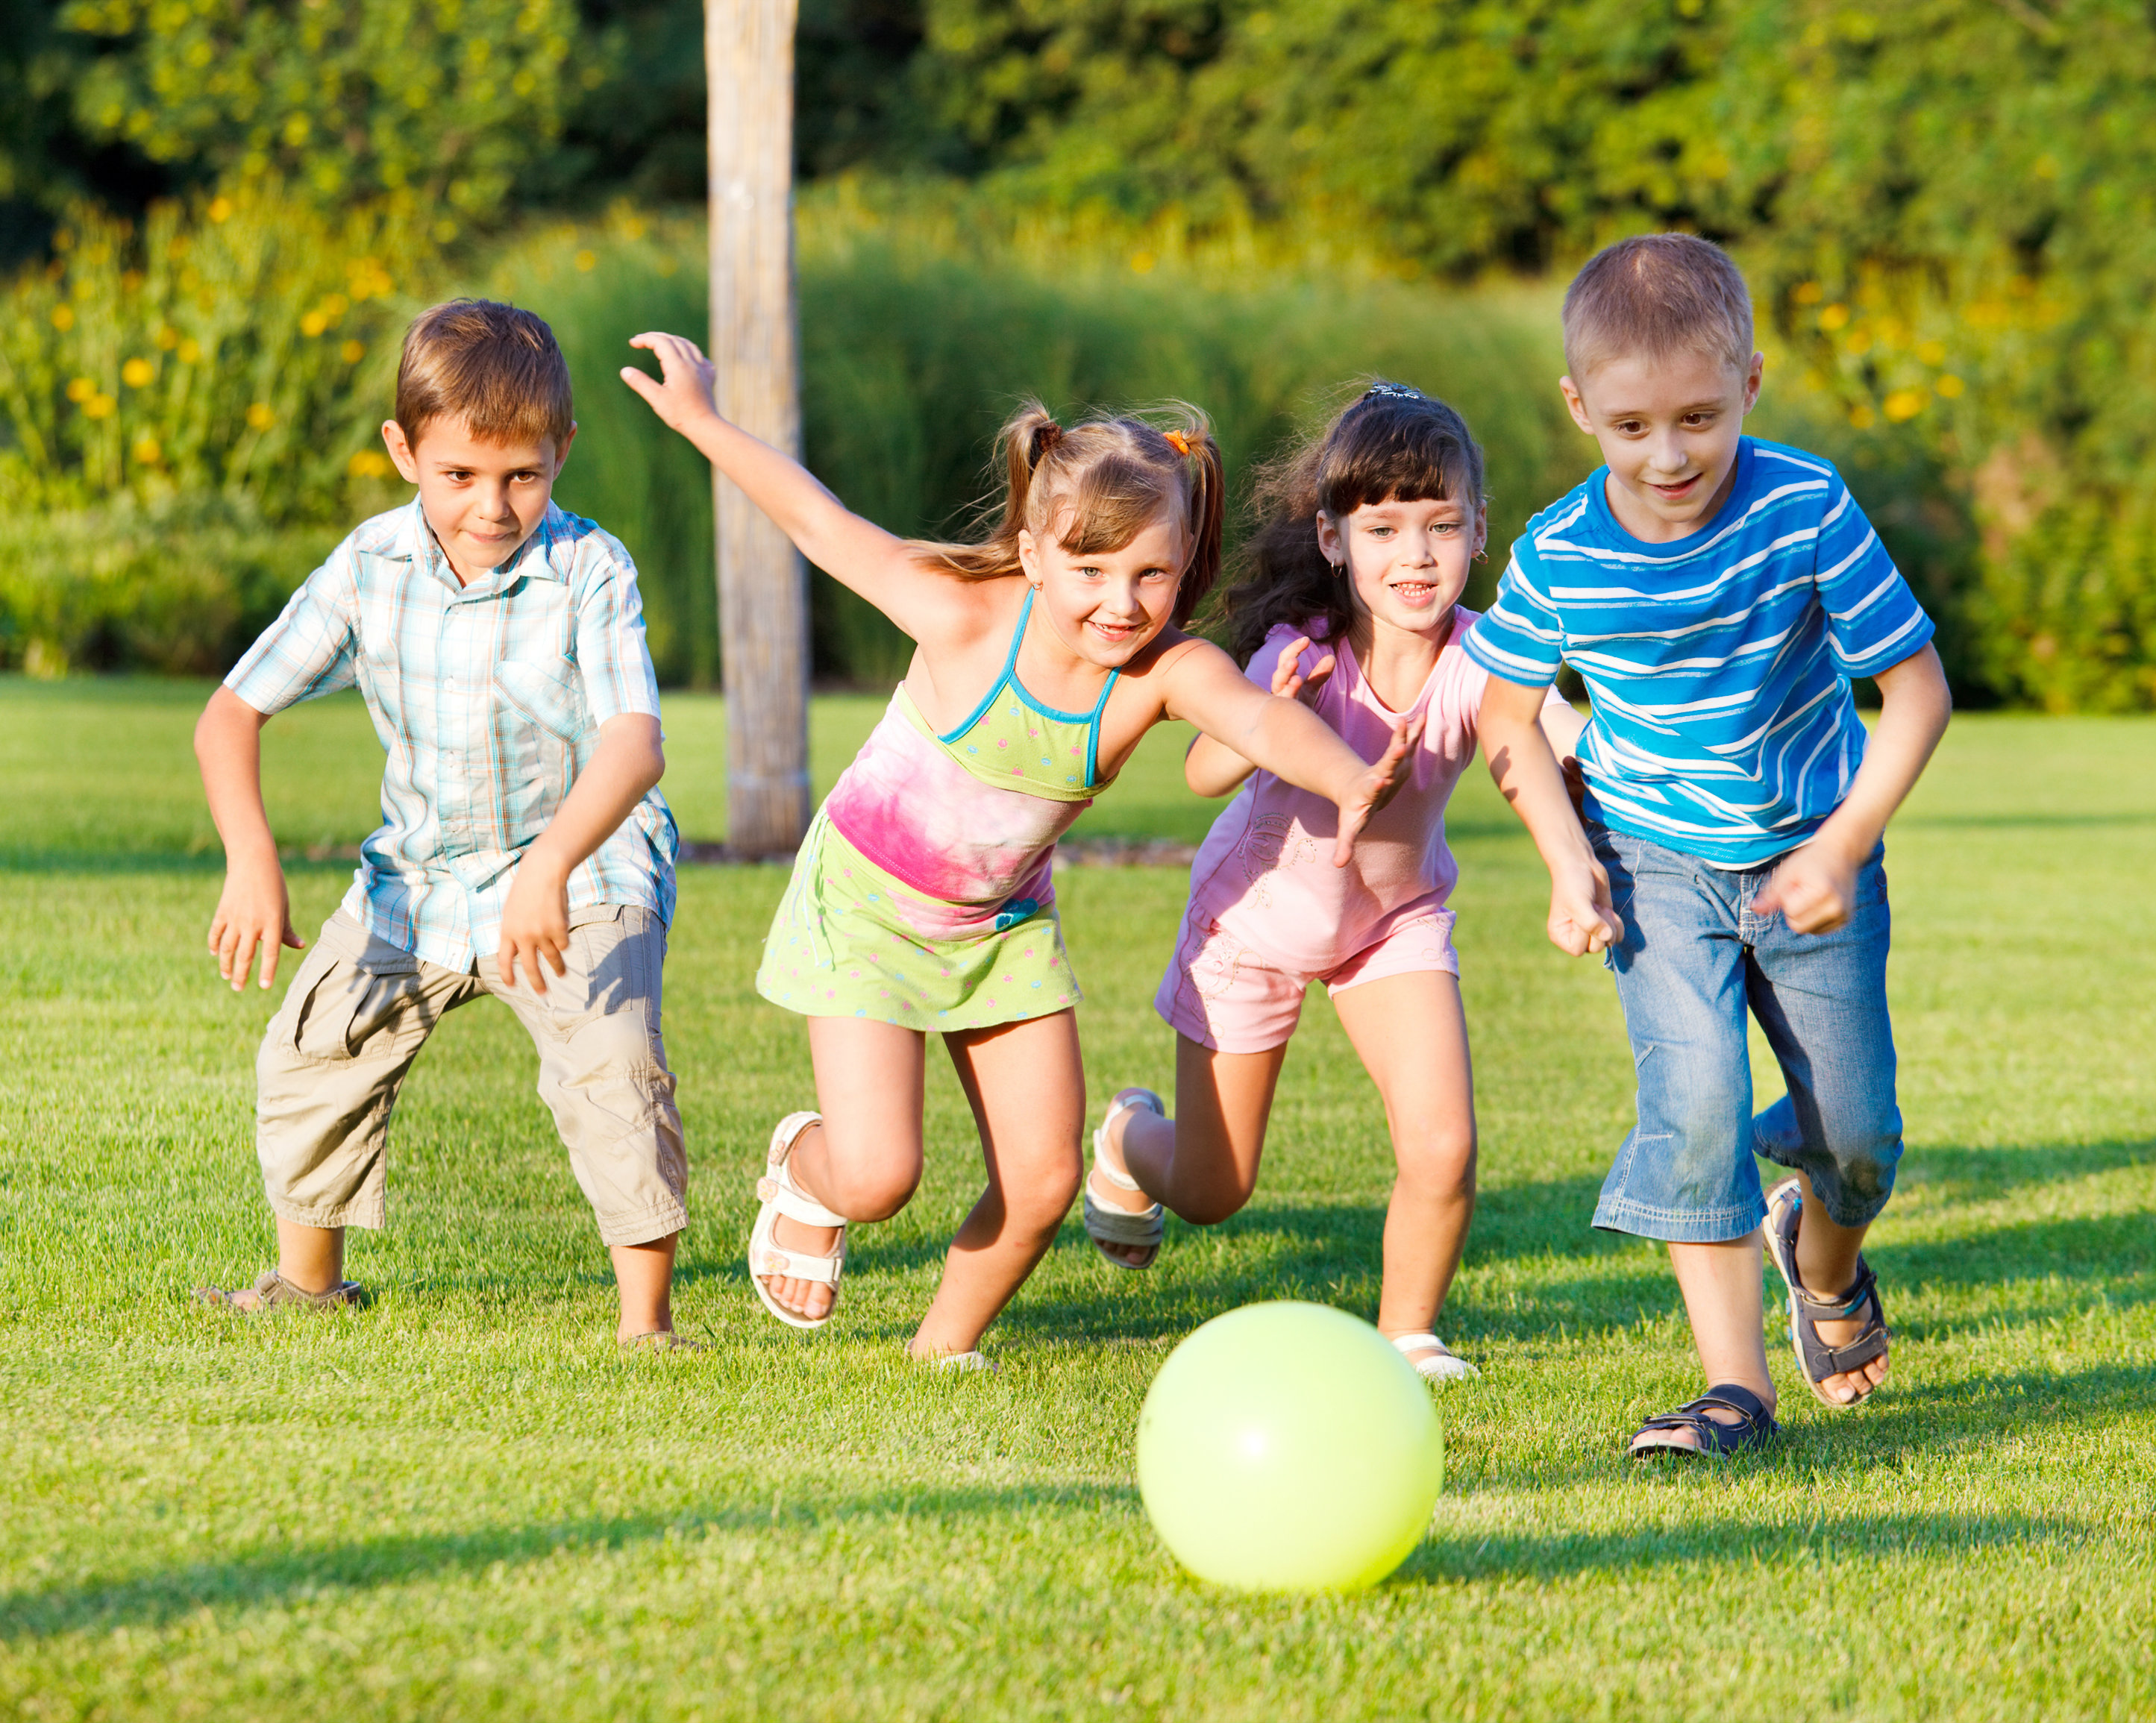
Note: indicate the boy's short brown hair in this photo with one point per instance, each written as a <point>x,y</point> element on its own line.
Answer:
<point>498,369</point>
<point>1656,295</point>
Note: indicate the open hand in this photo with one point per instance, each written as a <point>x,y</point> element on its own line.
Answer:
<point>253,910</point>
<point>534,924</point>
<point>1813,889</point>
<point>1583,917</point>
<point>1373,789</point>
<point>681,394</point>
<point>1289,682</point>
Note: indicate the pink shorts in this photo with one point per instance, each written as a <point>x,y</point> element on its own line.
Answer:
<point>1223,995</point>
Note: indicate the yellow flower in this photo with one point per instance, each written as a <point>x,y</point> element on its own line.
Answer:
<point>587,261</point>
<point>1808,292</point>
<point>351,352</point>
<point>79,389</point>
<point>64,318</point>
<point>1903,405</point>
<point>147,451</point>
<point>190,351</point>
<point>168,337</point>
<point>1861,417</point>
<point>313,324</point>
<point>99,406</point>
<point>261,415</point>
<point>220,209</point>
<point>136,373</point>
<point>369,463</point>
<point>1932,352</point>
<point>1951,386</point>
<point>1833,317</point>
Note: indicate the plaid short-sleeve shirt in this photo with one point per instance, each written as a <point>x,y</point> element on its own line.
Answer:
<point>489,699</point>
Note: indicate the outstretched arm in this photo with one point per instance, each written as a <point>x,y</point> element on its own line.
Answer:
<point>856,552</point>
<point>1814,888</point>
<point>254,909</point>
<point>1212,767</point>
<point>534,920</point>
<point>1286,739</point>
<point>1581,917</point>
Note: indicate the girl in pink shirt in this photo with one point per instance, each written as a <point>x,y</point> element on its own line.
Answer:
<point>1348,600</point>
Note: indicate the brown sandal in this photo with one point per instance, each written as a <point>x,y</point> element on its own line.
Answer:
<point>272,1291</point>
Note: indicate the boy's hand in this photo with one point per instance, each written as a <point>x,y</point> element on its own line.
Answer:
<point>1373,789</point>
<point>535,923</point>
<point>1583,918</point>
<point>253,910</point>
<point>1813,889</point>
<point>1289,682</point>
<point>681,395</point>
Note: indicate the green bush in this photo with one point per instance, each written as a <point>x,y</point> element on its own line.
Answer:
<point>179,586</point>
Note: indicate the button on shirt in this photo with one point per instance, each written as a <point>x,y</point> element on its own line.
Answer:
<point>488,698</point>
<point>1718,663</point>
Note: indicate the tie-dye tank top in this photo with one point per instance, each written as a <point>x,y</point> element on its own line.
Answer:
<point>970,818</point>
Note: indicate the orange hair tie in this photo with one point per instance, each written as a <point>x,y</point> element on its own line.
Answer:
<point>1179,442</point>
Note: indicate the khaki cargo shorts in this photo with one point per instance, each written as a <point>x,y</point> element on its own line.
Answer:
<point>360,1009</point>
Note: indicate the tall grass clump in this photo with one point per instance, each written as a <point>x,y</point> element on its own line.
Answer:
<point>913,351</point>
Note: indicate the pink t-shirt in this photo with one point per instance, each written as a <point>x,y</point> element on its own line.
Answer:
<point>1265,872</point>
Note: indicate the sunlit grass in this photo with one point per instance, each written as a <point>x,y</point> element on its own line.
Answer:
<point>460,1503</point>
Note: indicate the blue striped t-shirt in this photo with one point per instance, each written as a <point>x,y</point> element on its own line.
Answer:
<point>1719,664</point>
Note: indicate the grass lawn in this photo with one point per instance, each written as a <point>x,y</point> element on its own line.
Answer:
<point>462,1503</point>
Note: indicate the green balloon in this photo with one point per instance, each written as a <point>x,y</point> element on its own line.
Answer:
<point>1289,1447</point>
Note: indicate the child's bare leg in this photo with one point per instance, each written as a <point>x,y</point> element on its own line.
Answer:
<point>644,1274</point>
<point>1027,1085</point>
<point>1720,1287</point>
<point>1412,1037</point>
<point>1202,1164</point>
<point>1826,1263</point>
<point>309,1258</point>
<point>864,1160</point>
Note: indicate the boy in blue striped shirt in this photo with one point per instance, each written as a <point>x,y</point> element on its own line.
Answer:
<point>1717,593</point>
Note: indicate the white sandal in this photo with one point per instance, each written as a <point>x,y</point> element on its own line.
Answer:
<point>1146,1228</point>
<point>780,1195</point>
<point>1441,1366</point>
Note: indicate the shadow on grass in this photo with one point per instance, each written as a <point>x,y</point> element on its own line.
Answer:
<point>1443,1561</point>
<point>285,1577</point>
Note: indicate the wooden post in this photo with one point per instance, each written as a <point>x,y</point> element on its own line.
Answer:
<point>764,584</point>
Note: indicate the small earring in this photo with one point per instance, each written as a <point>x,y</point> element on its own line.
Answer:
<point>1482,555</point>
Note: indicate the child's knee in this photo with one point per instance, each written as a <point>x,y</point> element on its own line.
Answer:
<point>871,1192</point>
<point>1437,1162</point>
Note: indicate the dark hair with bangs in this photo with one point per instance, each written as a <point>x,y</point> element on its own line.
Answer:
<point>1392,443</point>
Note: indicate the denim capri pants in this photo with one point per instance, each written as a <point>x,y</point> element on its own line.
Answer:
<point>1693,960</point>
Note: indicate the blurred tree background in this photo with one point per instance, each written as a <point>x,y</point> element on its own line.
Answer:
<point>216,214</point>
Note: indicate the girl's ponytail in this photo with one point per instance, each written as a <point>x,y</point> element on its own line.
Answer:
<point>1207,516</point>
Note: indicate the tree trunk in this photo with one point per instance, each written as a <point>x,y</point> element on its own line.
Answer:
<point>763,584</point>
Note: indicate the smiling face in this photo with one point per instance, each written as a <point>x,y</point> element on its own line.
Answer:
<point>1407,563</point>
<point>1106,606</point>
<point>482,499</point>
<point>1668,429</point>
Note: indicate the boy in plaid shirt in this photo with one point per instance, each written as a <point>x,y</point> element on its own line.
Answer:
<point>524,850</point>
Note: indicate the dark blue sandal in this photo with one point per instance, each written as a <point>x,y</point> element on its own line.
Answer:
<point>1755,1427</point>
<point>1815,1358</point>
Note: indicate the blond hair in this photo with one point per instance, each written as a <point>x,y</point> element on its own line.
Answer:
<point>1656,295</point>
<point>1093,488</point>
<point>497,368</point>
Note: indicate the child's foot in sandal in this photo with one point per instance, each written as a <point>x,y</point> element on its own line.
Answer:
<point>272,1291</point>
<point>797,1251</point>
<point>1125,1226</point>
<point>1433,1360</point>
<point>1840,1342</point>
<point>1728,1418</point>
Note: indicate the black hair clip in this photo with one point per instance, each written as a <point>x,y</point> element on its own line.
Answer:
<point>1393,392</point>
